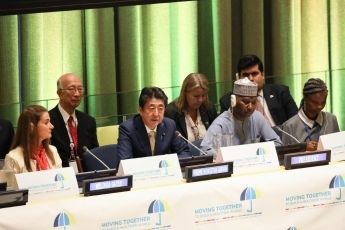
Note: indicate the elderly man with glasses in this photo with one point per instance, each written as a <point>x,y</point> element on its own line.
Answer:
<point>73,128</point>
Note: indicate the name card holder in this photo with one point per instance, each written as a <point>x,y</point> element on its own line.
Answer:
<point>105,185</point>
<point>208,171</point>
<point>48,184</point>
<point>249,158</point>
<point>336,143</point>
<point>307,159</point>
<point>152,171</point>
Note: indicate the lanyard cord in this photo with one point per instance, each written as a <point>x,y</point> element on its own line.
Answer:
<point>194,128</point>
<point>307,130</point>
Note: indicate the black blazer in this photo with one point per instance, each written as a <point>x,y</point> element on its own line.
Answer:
<point>87,134</point>
<point>279,101</point>
<point>6,137</point>
<point>207,117</point>
<point>133,141</point>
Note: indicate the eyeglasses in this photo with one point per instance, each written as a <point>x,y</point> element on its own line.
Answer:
<point>74,90</point>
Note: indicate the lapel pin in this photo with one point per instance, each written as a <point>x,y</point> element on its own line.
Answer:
<point>271,96</point>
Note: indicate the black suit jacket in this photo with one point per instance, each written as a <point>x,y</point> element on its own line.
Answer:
<point>87,134</point>
<point>134,142</point>
<point>6,137</point>
<point>279,101</point>
<point>207,117</point>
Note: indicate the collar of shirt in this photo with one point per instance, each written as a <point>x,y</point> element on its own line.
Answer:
<point>149,130</point>
<point>265,106</point>
<point>308,121</point>
<point>66,116</point>
<point>261,94</point>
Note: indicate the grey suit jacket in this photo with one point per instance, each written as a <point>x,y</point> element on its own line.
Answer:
<point>295,127</point>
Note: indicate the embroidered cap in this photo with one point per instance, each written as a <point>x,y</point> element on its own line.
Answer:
<point>245,87</point>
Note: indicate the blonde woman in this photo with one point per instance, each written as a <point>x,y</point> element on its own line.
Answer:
<point>192,112</point>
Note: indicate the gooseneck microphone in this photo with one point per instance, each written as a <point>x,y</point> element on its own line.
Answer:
<point>87,150</point>
<point>179,135</point>
<point>279,129</point>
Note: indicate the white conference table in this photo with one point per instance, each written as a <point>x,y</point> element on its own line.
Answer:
<point>310,198</point>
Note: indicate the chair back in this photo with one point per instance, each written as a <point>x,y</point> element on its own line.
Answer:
<point>107,135</point>
<point>106,153</point>
<point>193,150</point>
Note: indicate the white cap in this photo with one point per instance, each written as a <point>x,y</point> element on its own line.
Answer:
<point>245,87</point>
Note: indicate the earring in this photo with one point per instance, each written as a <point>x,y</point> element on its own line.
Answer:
<point>304,106</point>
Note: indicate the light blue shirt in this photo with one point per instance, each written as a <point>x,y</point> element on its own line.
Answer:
<point>252,130</point>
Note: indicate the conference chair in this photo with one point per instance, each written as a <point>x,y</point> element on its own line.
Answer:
<point>106,153</point>
<point>193,150</point>
<point>107,135</point>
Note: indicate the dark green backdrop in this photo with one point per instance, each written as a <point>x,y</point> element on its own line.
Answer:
<point>117,51</point>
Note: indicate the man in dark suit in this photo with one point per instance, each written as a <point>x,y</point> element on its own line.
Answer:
<point>6,137</point>
<point>73,129</point>
<point>274,101</point>
<point>150,133</point>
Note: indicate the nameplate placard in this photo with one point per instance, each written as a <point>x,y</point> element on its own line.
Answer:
<point>249,158</point>
<point>152,171</point>
<point>336,143</point>
<point>49,184</point>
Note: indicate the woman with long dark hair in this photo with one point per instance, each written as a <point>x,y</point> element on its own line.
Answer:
<point>30,150</point>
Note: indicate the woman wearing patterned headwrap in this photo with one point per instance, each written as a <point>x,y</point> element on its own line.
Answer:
<point>311,121</point>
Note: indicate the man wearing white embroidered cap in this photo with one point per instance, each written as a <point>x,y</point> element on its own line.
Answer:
<point>246,124</point>
<point>274,100</point>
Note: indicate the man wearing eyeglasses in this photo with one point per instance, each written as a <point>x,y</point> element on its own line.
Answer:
<point>73,129</point>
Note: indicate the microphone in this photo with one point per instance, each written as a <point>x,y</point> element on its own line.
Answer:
<point>179,135</point>
<point>279,129</point>
<point>87,150</point>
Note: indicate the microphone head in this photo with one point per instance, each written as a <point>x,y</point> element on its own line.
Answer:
<point>277,127</point>
<point>177,133</point>
<point>85,148</point>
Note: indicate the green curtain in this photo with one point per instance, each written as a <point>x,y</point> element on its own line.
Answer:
<point>117,51</point>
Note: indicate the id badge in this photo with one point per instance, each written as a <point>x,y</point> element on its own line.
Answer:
<point>73,164</point>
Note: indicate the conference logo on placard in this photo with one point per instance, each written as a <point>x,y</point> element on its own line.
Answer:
<point>294,228</point>
<point>318,199</point>
<point>262,152</point>
<point>258,159</point>
<point>243,208</point>
<point>157,207</point>
<point>165,164</point>
<point>61,177</point>
<point>58,185</point>
<point>154,218</point>
<point>250,194</point>
<point>64,219</point>
<point>160,172</point>
<point>337,182</point>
